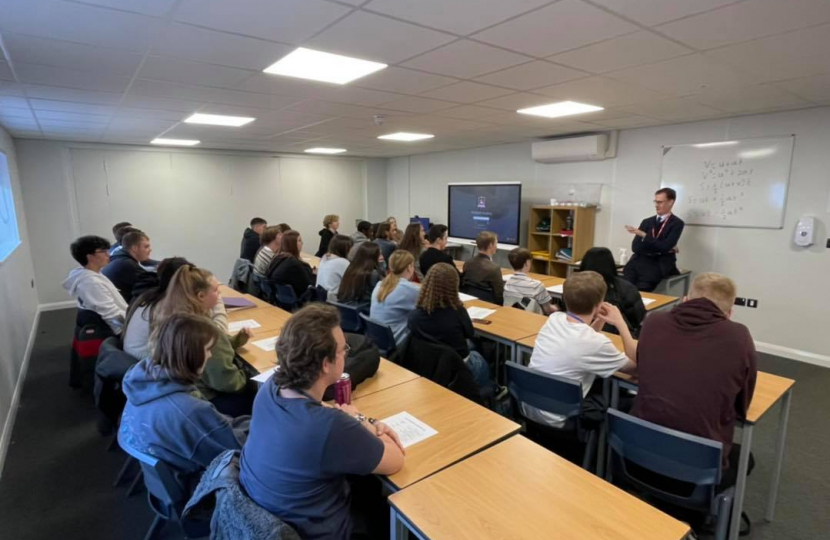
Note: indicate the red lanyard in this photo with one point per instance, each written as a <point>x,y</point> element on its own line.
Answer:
<point>663,226</point>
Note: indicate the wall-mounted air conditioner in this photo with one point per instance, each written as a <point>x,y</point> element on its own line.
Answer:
<point>593,147</point>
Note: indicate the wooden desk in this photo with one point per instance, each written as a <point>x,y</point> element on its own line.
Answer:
<point>228,292</point>
<point>464,427</point>
<point>507,324</point>
<point>547,281</point>
<point>660,301</point>
<point>256,357</point>
<point>389,374</point>
<point>519,490</point>
<point>270,319</point>
<point>312,260</point>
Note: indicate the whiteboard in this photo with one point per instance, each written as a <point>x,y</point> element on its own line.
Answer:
<point>740,183</point>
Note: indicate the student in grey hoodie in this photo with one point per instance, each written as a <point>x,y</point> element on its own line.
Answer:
<point>165,415</point>
<point>93,290</point>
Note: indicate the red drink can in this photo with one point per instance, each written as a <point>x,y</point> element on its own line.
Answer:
<point>343,390</point>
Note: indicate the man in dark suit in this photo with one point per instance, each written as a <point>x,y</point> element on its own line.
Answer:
<point>655,244</point>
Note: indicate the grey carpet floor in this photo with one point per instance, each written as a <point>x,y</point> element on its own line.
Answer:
<point>57,478</point>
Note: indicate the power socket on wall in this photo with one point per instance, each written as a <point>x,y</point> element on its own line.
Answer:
<point>746,302</point>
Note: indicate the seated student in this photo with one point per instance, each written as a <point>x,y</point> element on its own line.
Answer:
<point>481,270</point>
<point>414,242</point>
<point>195,291</point>
<point>251,239</point>
<point>697,368</point>
<point>363,234</point>
<point>165,415</point>
<point>440,317</point>
<point>334,264</point>
<point>621,293</point>
<point>118,235</point>
<point>570,345</point>
<point>361,276</point>
<point>396,296</point>
<point>89,287</point>
<point>382,239</point>
<point>395,234</point>
<point>271,240</point>
<point>308,463</point>
<point>437,238</point>
<point>124,269</point>
<point>136,337</point>
<point>521,285</point>
<point>330,225</point>
<point>288,268</point>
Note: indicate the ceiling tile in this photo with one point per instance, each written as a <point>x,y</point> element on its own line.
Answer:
<point>466,59</point>
<point>286,21</point>
<point>11,88</point>
<point>355,96</point>
<point>684,76</point>
<point>787,56</point>
<point>79,23</point>
<point>561,26</point>
<point>750,98</point>
<point>405,81</point>
<point>417,104</point>
<point>377,38</point>
<point>63,54</point>
<point>173,90</point>
<point>746,20</point>
<point>622,52</point>
<point>84,80</point>
<point>183,107</point>
<point>264,83</point>
<point>202,45</point>
<point>13,102</point>
<point>458,16</point>
<point>625,122</point>
<point>532,75</point>
<point>252,99</point>
<point>69,106</point>
<point>601,91</point>
<point>674,110</point>
<point>71,94</point>
<point>471,112</point>
<point>467,92</point>
<point>152,114</point>
<point>514,102</point>
<point>651,12</point>
<point>5,71</point>
<point>74,117</point>
<point>184,71</point>
<point>810,88</point>
<point>155,8</point>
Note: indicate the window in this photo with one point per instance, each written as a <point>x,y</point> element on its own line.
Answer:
<point>9,236</point>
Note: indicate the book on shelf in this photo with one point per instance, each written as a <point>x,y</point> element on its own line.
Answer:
<point>565,254</point>
<point>541,254</point>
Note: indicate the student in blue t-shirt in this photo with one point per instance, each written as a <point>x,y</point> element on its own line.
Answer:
<point>301,454</point>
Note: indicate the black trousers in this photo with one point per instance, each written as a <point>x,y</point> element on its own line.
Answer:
<point>370,510</point>
<point>643,272</point>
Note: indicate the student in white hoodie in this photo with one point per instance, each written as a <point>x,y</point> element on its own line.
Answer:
<point>93,290</point>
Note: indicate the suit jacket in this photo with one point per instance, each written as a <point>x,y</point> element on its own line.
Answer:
<point>658,245</point>
<point>481,271</point>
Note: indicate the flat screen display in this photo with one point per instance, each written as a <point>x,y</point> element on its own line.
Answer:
<point>485,207</point>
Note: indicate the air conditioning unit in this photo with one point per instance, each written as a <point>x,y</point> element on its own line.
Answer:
<point>593,147</point>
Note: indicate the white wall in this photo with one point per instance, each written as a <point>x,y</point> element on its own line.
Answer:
<point>790,283</point>
<point>18,307</point>
<point>194,204</point>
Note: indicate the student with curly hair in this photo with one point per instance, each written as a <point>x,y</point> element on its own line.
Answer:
<point>330,225</point>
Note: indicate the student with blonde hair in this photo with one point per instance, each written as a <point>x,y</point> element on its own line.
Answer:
<point>395,233</point>
<point>395,297</point>
<point>330,225</point>
<point>195,291</point>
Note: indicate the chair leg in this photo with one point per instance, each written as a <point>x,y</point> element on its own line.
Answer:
<point>123,472</point>
<point>724,513</point>
<point>590,447</point>
<point>155,528</point>
<point>135,485</point>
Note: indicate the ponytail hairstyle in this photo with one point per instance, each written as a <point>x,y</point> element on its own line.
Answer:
<point>399,261</point>
<point>178,345</point>
<point>152,297</point>
<point>182,294</point>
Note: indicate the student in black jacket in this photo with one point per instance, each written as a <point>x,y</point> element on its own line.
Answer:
<point>288,268</point>
<point>437,238</point>
<point>330,225</point>
<point>361,276</point>
<point>655,244</point>
<point>250,239</point>
<point>620,292</point>
<point>124,269</point>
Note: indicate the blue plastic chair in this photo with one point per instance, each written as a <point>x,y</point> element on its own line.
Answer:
<point>479,291</point>
<point>165,494</point>
<point>285,297</point>
<point>266,291</point>
<point>321,294</point>
<point>381,335</point>
<point>554,395</point>
<point>350,320</point>
<point>672,454</point>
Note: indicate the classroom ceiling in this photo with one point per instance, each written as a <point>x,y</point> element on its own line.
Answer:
<point>128,71</point>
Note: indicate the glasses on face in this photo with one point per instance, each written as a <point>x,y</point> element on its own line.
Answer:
<point>660,202</point>
<point>99,251</point>
<point>346,349</point>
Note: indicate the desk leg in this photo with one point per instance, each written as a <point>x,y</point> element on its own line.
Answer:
<point>779,454</point>
<point>398,527</point>
<point>603,430</point>
<point>740,486</point>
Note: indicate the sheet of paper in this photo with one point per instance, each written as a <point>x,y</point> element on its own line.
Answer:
<point>466,297</point>
<point>480,312</point>
<point>647,301</point>
<point>409,429</point>
<point>267,344</point>
<point>556,289</point>
<point>239,325</point>
<point>505,277</point>
<point>265,375</point>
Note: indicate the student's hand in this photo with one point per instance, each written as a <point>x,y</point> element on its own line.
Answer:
<point>382,429</point>
<point>243,336</point>
<point>609,313</point>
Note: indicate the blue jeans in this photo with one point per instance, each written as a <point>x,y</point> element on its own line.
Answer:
<point>480,370</point>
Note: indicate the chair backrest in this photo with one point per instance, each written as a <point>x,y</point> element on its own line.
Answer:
<point>481,292</point>
<point>284,296</point>
<point>665,452</point>
<point>545,392</point>
<point>321,294</point>
<point>521,302</point>
<point>160,480</point>
<point>441,364</point>
<point>350,320</point>
<point>380,334</point>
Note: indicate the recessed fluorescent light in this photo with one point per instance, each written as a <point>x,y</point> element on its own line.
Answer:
<point>322,66</point>
<point>711,144</point>
<point>562,108</point>
<point>175,142</point>
<point>407,137</point>
<point>325,150</point>
<point>219,120</point>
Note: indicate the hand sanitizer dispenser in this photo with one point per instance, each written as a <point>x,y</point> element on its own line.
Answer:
<point>804,231</point>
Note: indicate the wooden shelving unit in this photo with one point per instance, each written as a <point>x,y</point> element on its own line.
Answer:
<point>550,242</point>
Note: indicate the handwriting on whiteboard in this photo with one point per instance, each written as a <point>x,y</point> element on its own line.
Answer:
<point>722,191</point>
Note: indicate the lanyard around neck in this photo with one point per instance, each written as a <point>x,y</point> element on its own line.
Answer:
<point>571,315</point>
<point>663,226</point>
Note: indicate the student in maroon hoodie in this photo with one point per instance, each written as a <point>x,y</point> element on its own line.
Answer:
<point>697,368</point>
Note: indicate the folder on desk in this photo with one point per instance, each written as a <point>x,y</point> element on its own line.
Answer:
<point>237,302</point>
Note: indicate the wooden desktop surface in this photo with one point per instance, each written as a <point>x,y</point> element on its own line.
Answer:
<point>312,260</point>
<point>519,490</point>
<point>508,323</point>
<point>257,358</point>
<point>389,374</point>
<point>228,292</point>
<point>659,300</point>
<point>463,427</point>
